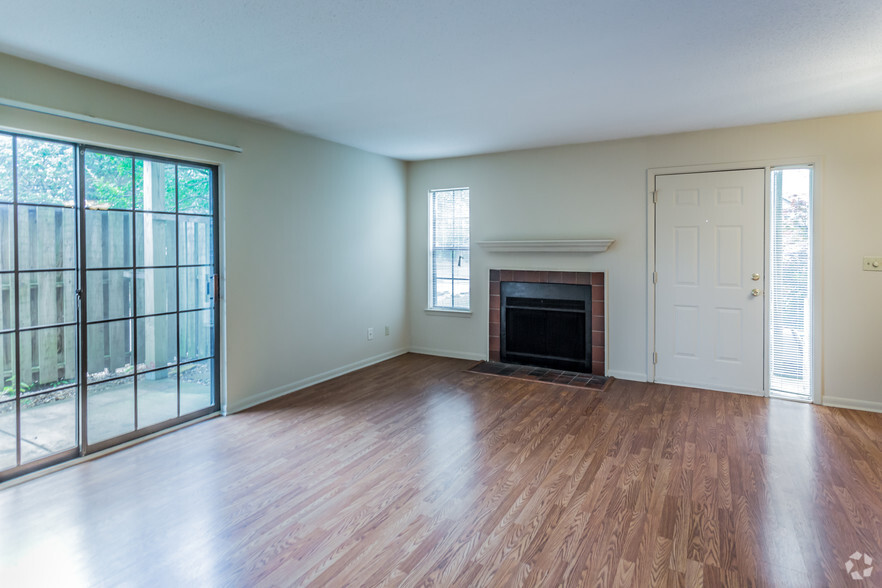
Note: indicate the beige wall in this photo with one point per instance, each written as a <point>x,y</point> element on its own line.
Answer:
<point>599,190</point>
<point>313,239</point>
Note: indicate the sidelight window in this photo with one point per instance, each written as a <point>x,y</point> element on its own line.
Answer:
<point>790,278</point>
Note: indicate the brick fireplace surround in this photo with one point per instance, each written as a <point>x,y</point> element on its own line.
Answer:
<point>598,324</point>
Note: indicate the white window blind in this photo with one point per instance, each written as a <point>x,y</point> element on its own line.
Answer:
<point>790,332</point>
<point>449,211</point>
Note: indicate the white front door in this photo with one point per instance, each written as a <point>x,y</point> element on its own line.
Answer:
<point>708,300</point>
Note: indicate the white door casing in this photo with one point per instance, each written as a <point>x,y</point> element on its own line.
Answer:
<point>709,259</point>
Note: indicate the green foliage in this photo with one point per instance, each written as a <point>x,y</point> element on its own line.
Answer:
<point>9,388</point>
<point>5,168</point>
<point>45,171</point>
<point>194,190</point>
<point>109,179</point>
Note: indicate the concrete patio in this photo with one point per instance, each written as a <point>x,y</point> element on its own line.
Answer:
<point>50,427</point>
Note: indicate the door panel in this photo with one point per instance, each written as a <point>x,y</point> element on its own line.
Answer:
<point>709,240</point>
<point>38,311</point>
<point>160,259</point>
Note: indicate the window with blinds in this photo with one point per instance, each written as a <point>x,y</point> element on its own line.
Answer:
<point>790,301</point>
<point>449,249</point>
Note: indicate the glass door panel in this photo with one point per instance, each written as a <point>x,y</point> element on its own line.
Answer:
<point>197,385</point>
<point>8,404</point>
<point>8,385</point>
<point>110,409</point>
<point>108,180</point>
<point>8,435</point>
<point>44,172</point>
<point>157,291</point>
<point>158,396</point>
<point>155,186</point>
<point>48,359</point>
<point>48,424</point>
<point>110,298</point>
<point>7,238</point>
<point>109,350</point>
<point>38,303</point>
<point>47,298</point>
<point>7,178</point>
<point>136,333</point>
<point>156,239</point>
<point>109,295</point>
<point>108,239</point>
<point>50,234</point>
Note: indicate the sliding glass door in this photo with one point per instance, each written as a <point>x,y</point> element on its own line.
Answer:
<point>107,307</point>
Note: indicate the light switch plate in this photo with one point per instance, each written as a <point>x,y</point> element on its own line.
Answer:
<point>873,264</point>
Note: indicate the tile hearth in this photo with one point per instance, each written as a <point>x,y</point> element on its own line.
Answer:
<point>538,374</point>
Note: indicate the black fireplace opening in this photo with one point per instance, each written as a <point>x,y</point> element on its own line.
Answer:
<point>545,325</point>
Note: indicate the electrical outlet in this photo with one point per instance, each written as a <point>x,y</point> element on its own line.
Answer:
<point>387,330</point>
<point>873,264</point>
<point>370,333</point>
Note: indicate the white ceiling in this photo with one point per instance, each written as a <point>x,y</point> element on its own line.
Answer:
<point>420,79</point>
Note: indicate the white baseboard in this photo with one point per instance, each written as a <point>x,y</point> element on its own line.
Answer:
<point>449,353</point>
<point>839,402</point>
<point>622,375</point>
<point>268,395</point>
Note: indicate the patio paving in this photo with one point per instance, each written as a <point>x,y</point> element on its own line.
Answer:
<point>51,427</point>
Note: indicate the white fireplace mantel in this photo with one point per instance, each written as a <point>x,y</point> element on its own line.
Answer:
<point>548,246</point>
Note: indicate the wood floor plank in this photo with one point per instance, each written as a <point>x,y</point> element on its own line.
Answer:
<point>415,472</point>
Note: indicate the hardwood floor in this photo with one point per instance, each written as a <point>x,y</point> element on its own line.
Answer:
<point>414,472</point>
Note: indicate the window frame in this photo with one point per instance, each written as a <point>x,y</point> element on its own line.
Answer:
<point>810,362</point>
<point>432,278</point>
<point>88,446</point>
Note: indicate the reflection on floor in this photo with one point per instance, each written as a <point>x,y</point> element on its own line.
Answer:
<point>539,374</point>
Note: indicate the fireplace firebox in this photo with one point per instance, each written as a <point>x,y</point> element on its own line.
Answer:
<point>546,325</point>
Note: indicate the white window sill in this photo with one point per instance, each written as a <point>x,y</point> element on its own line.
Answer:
<point>449,312</point>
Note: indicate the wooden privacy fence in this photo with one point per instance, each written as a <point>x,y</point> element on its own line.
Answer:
<point>47,242</point>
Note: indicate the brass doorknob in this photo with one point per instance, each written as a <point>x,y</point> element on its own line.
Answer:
<point>755,292</point>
